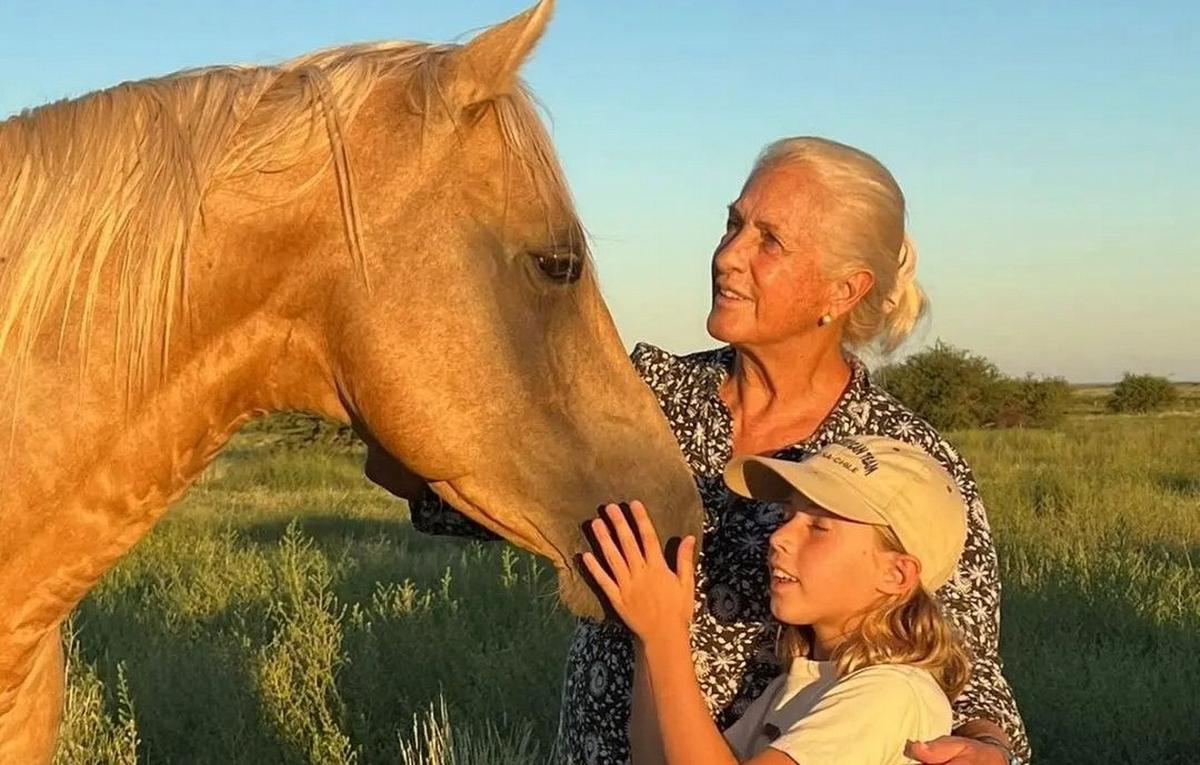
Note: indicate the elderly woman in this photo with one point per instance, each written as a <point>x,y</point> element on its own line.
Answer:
<point>814,264</point>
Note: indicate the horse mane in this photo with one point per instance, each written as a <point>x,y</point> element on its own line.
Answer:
<point>116,180</point>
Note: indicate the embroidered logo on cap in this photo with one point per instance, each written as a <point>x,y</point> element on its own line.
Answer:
<point>866,459</point>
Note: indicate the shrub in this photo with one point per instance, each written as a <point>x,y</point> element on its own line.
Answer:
<point>954,389</point>
<point>1032,402</point>
<point>947,386</point>
<point>303,430</point>
<point>1142,393</point>
<point>92,731</point>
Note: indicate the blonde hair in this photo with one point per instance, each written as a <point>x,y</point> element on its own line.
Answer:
<point>903,629</point>
<point>863,229</point>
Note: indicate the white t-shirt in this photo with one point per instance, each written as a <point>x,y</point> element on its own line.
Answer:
<point>864,718</point>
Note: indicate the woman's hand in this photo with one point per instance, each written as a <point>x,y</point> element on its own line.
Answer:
<point>654,601</point>
<point>975,742</point>
<point>956,750</point>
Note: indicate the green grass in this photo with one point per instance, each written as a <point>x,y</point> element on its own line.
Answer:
<point>1099,529</point>
<point>286,612</point>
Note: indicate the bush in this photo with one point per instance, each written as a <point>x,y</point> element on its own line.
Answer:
<point>1142,393</point>
<point>1032,402</point>
<point>947,386</point>
<point>954,389</point>
<point>303,430</point>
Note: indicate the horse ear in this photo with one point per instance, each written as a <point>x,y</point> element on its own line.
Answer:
<point>487,66</point>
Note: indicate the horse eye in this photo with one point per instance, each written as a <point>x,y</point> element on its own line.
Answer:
<point>562,267</point>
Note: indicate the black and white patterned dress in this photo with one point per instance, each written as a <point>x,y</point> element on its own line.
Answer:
<point>732,629</point>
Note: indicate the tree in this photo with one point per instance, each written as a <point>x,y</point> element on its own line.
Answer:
<point>1033,402</point>
<point>954,389</point>
<point>1142,393</point>
<point>947,386</point>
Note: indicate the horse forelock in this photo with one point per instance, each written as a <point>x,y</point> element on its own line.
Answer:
<point>113,182</point>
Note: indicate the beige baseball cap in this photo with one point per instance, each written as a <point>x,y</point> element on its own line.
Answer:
<point>876,480</point>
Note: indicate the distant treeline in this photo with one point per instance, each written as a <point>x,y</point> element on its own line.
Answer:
<point>293,430</point>
<point>952,388</point>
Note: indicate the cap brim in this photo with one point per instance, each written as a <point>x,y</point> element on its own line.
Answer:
<point>773,480</point>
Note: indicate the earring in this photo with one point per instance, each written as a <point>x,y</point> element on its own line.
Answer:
<point>824,320</point>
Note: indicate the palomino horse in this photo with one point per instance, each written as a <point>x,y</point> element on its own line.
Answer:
<point>379,233</point>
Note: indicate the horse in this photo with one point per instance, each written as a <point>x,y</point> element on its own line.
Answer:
<point>379,233</point>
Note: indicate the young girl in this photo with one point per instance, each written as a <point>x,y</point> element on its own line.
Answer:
<point>873,526</point>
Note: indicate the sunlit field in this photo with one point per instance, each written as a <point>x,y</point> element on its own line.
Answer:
<point>286,612</point>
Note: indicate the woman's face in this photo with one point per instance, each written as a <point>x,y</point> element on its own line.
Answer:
<point>825,570</point>
<point>767,284</point>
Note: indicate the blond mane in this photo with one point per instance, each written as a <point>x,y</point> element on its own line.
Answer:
<point>112,183</point>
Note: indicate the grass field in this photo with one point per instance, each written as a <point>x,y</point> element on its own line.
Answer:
<point>286,612</point>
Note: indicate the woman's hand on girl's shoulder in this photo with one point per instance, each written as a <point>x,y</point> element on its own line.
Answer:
<point>653,601</point>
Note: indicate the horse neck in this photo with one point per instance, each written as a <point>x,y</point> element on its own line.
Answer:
<point>88,473</point>
<point>231,361</point>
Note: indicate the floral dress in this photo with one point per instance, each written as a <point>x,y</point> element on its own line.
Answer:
<point>732,631</point>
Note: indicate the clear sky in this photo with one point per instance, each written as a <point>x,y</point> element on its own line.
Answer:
<point>1050,152</point>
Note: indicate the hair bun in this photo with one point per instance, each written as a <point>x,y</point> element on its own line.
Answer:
<point>906,272</point>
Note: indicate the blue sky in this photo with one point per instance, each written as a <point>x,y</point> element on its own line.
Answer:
<point>1050,152</point>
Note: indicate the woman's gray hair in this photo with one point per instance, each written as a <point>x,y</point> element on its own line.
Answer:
<point>864,229</point>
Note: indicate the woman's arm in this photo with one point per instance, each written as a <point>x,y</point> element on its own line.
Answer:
<point>972,602</point>
<point>430,514</point>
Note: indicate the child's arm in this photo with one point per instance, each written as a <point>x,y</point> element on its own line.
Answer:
<point>688,732</point>
<point>645,742</point>
<point>656,604</point>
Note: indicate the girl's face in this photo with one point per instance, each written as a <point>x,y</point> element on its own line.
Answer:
<point>826,570</point>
